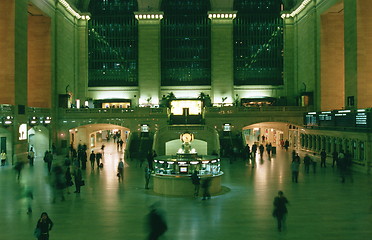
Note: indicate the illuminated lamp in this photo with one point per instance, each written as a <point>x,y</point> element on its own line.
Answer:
<point>7,121</point>
<point>33,121</point>
<point>47,120</point>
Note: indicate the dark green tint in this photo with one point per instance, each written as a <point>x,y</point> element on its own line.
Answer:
<point>185,43</point>
<point>113,43</point>
<point>258,43</point>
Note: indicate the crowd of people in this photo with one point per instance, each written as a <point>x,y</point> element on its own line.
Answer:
<point>70,173</point>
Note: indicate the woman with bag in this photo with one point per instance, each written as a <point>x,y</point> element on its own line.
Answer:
<point>43,226</point>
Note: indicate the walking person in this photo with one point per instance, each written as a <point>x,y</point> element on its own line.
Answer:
<point>18,168</point>
<point>205,186</point>
<point>44,224</point>
<point>92,159</point>
<point>49,159</point>
<point>120,173</point>
<point>147,177</point>
<point>295,167</point>
<point>280,209</point>
<point>334,158</point>
<point>68,178</point>
<point>78,179</point>
<point>31,156</point>
<point>323,157</point>
<point>307,162</point>
<point>196,182</point>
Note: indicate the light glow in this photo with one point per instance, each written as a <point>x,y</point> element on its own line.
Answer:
<point>219,15</point>
<point>301,7</point>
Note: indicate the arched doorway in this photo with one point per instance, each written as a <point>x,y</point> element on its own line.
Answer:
<point>38,139</point>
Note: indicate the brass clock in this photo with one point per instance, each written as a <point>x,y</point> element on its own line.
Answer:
<point>187,137</point>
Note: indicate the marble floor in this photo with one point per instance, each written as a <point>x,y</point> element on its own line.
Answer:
<point>321,207</point>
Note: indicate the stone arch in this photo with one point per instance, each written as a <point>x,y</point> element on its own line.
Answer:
<point>39,139</point>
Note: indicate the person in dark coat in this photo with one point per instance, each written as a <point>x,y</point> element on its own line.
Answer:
<point>280,209</point>
<point>206,183</point>
<point>78,179</point>
<point>92,159</point>
<point>44,224</point>
<point>323,157</point>
<point>196,182</point>
<point>334,158</point>
<point>68,178</point>
<point>307,162</point>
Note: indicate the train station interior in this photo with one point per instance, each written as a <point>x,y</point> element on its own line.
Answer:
<point>174,88</point>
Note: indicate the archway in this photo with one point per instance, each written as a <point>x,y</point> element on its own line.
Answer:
<point>94,136</point>
<point>275,133</point>
<point>6,143</point>
<point>38,139</point>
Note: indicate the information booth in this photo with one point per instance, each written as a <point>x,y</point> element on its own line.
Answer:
<point>172,174</point>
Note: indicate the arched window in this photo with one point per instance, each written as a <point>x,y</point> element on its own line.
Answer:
<point>113,42</point>
<point>185,44</point>
<point>258,43</point>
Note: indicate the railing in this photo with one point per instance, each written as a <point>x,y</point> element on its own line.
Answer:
<point>138,110</point>
<point>6,109</point>
<point>231,109</point>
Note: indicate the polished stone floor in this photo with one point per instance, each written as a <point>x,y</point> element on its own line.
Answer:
<point>321,207</point>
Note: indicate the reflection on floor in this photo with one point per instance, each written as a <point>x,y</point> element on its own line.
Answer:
<point>321,207</point>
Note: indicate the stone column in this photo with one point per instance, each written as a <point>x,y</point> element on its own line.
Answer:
<point>289,61</point>
<point>364,53</point>
<point>149,61</point>
<point>222,56</point>
<point>20,21</point>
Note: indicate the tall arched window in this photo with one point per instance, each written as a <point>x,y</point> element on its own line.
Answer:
<point>185,44</point>
<point>112,43</point>
<point>258,43</point>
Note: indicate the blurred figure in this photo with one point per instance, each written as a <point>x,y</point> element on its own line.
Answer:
<point>206,183</point>
<point>262,149</point>
<point>295,167</point>
<point>78,179</point>
<point>59,183</point>
<point>29,197</point>
<point>147,177</point>
<point>156,222</point>
<point>323,157</point>
<point>31,156</point>
<point>280,209</point>
<point>150,159</point>
<point>68,178</point>
<point>18,168</point>
<point>196,182</point>
<point>334,158</point>
<point>98,158</point>
<point>92,159</point>
<point>307,162</point>
<point>44,224</point>
<point>121,170</point>
<point>286,145</point>
<point>3,158</point>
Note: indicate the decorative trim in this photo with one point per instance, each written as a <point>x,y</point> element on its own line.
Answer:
<point>294,13</point>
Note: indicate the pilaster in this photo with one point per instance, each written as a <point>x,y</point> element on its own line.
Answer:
<point>149,62</point>
<point>222,56</point>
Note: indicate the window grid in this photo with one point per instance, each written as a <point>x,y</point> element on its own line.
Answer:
<point>258,43</point>
<point>185,44</point>
<point>113,44</point>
